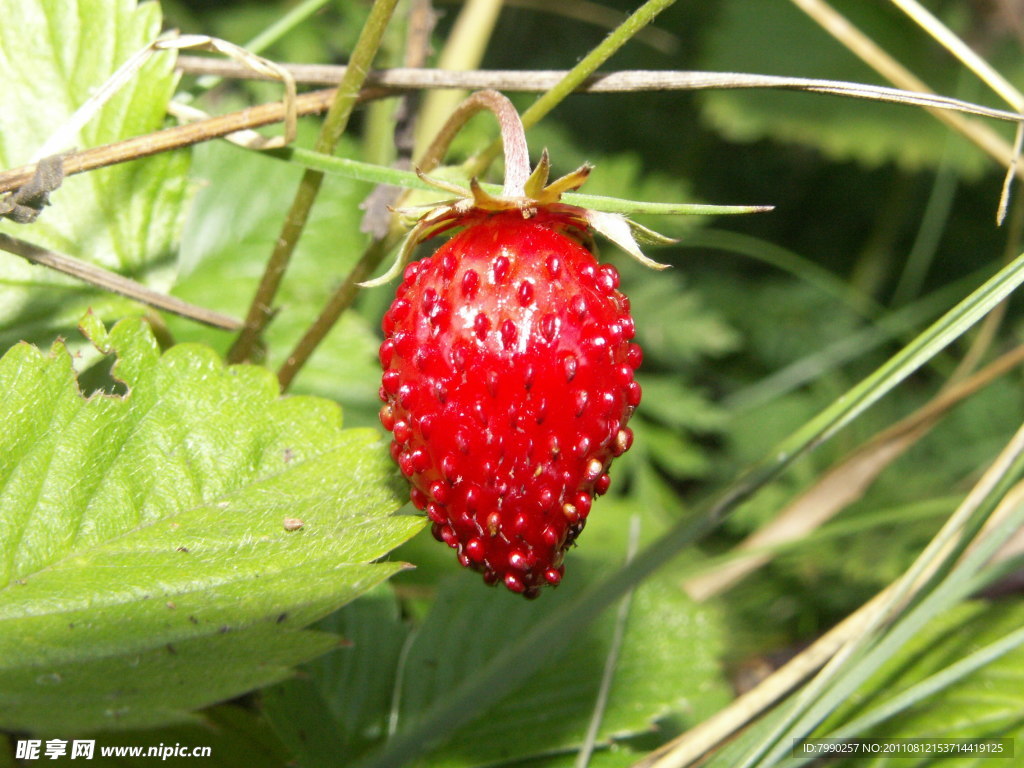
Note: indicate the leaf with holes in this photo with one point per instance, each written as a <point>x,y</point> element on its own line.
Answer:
<point>146,568</point>
<point>127,217</point>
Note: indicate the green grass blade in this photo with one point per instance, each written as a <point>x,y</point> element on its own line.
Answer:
<point>941,334</point>
<point>891,326</point>
<point>827,694</point>
<point>937,682</point>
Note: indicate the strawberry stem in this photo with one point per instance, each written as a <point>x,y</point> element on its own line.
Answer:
<point>513,138</point>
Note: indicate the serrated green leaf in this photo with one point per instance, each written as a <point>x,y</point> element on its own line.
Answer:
<point>125,217</point>
<point>668,667</point>
<point>342,702</point>
<point>549,712</point>
<point>154,686</point>
<point>132,524</point>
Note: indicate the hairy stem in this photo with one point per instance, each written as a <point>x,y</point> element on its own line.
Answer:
<point>260,310</point>
<point>420,24</point>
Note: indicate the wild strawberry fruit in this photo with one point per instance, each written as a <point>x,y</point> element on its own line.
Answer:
<point>509,376</point>
<point>508,382</point>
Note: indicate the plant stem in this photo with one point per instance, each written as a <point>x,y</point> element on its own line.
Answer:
<point>267,37</point>
<point>513,138</point>
<point>625,32</point>
<point>640,18</point>
<point>391,82</point>
<point>112,281</point>
<point>420,24</point>
<point>284,25</point>
<point>260,310</point>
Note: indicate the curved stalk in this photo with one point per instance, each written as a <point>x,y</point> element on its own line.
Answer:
<point>513,138</point>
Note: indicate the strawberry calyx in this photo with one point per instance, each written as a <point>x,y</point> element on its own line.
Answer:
<point>526,191</point>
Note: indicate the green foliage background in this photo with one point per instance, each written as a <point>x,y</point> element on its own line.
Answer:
<point>179,470</point>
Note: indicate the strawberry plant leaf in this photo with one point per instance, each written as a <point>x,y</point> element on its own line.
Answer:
<point>468,626</point>
<point>342,705</point>
<point>125,217</point>
<point>346,701</point>
<point>142,538</point>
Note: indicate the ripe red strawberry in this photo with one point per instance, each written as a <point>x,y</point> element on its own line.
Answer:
<point>508,367</point>
<point>508,382</point>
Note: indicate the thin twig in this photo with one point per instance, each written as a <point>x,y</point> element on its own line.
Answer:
<point>865,48</point>
<point>172,138</point>
<point>625,81</point>
<point>111,281</point>
<point>952,43</point>
<point>391,82</point>
<point>513,135</point>
<point>339,302</point>
<point>611,662</point>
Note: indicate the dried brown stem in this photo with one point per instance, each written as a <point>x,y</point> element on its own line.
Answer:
<point>382,84</point>
<point>625,81</point>
<point>111,281</point>
<point>175,138</point>
<point>846,482</point>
